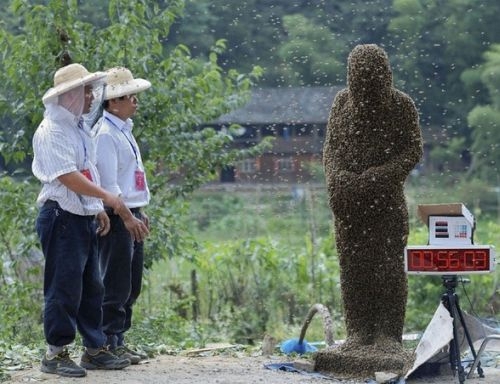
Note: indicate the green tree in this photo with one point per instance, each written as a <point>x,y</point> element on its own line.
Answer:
<point>186,92</point>
<point>257,32</point>
<point>450,156</point>
<point>436,44</point>
<point>484,119</point>
<point>310,54</point>
<point>485,149</point>
<point>252,29</point>
<point>20,265</point>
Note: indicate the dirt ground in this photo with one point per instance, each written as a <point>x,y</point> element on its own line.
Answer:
<point>220,369</point>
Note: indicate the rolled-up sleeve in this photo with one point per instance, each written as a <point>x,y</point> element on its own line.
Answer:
<point>54,155</point>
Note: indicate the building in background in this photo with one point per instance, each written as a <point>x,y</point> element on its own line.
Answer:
<point>296,117</point>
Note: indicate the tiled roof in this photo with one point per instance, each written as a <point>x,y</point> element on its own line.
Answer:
<point>284,105</point>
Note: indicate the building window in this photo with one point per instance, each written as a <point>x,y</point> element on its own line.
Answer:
<point>285,164</point>
<point>247,166</point>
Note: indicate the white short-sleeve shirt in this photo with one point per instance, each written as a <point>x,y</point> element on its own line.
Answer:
<point>61,147</point>
<point>118,160</point>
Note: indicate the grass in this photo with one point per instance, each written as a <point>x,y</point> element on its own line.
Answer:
<point>265,255</point>
<point>299,221</point>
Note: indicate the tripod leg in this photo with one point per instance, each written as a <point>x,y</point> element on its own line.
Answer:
<point>455,360</point>
<point>467,335</point>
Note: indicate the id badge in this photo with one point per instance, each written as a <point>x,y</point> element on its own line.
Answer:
<point>87,174</point>
<point>140,181</point>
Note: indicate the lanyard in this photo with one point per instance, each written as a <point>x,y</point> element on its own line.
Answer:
<point>129,141</point>
<point>80,130</point>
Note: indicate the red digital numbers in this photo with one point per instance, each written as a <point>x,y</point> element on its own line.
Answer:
<point>448,260</point>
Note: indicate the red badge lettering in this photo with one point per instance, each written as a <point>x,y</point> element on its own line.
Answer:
<point>140,180</point>
<point>87,174</point>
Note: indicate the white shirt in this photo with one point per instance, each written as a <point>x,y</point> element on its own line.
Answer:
<point>118,159</point>
<point>61,147</point>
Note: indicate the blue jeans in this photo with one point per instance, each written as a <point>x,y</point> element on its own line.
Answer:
<point>122,262</point>
<point>73,289</point>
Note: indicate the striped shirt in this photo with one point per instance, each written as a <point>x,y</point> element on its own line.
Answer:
<point>118,160</point>
<point>61,147</point>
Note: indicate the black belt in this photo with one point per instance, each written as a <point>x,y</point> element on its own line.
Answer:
<point>51,204</point>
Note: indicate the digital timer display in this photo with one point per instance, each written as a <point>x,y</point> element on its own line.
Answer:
<point>448,260</point>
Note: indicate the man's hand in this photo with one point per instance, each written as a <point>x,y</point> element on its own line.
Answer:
<point>104,224</point>
<point>138,230</point>
<point>80,184</point>
<point>145,219</point>
<point>136,227</point>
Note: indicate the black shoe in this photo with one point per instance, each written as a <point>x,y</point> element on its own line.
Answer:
<point>61,364</point>
<point>103,359</point>
<point>125,353</point>
<point>142,355</point>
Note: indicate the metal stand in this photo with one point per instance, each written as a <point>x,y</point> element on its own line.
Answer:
<point>477,360</point>
<point>450,301</point>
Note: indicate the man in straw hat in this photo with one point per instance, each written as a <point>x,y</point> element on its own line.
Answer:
<point>70,201</point>
<point>122,172</point>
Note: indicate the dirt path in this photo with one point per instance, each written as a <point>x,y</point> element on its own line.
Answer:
<point>214,370</point>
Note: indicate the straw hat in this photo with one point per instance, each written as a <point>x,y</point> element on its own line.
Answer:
<point>69,77</point>
<point>120,82</point>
